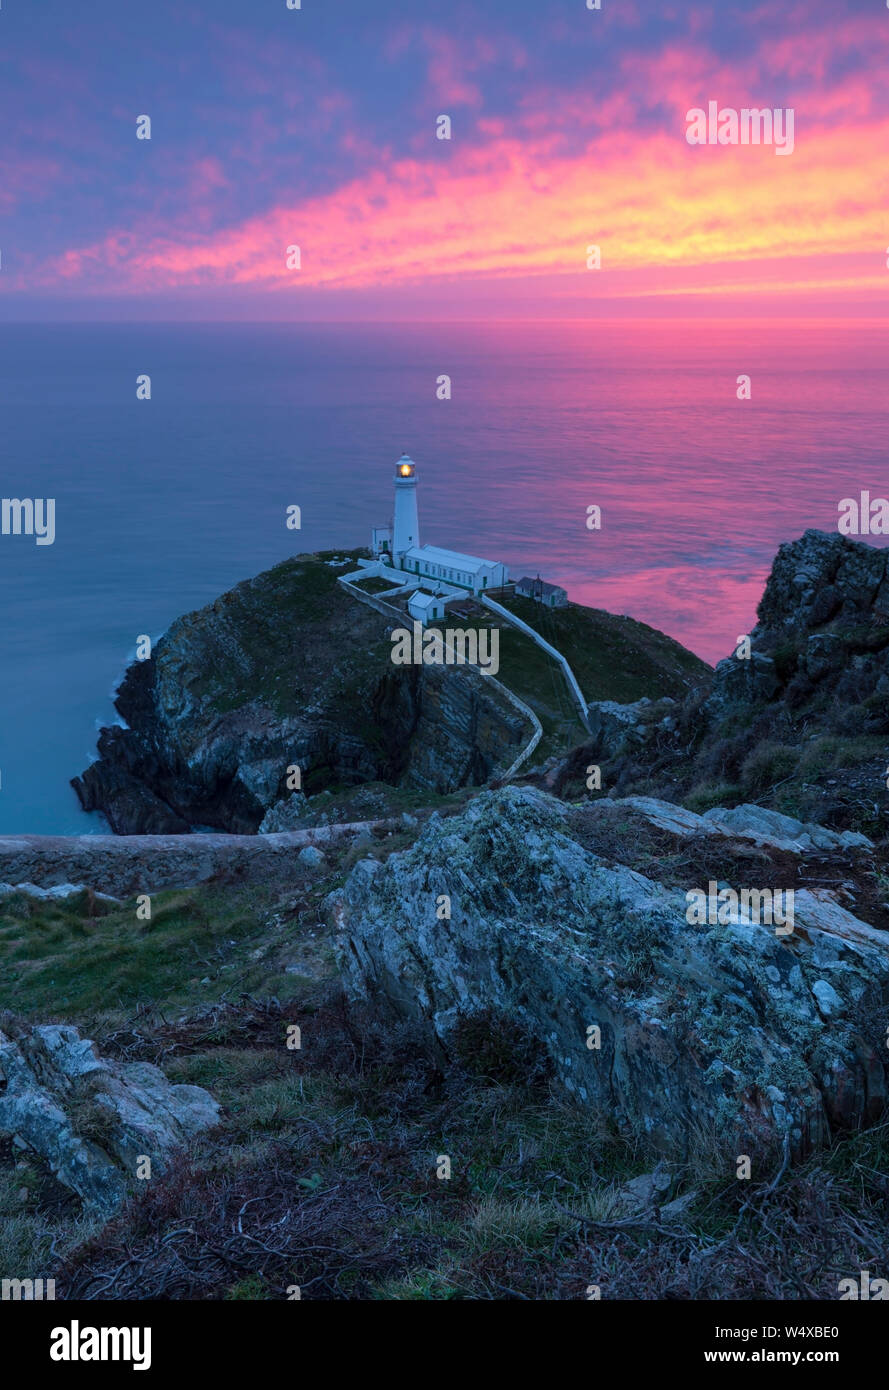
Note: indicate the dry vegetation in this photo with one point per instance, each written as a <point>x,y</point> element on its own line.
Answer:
<point>323,1172</point>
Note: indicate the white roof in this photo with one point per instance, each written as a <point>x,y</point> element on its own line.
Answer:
<point>540,584</point>
<point>420,600</point>
<point>450,559</point>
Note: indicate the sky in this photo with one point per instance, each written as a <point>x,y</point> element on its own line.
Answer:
<point>316,128</point>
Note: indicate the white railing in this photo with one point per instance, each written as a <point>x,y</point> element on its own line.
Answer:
<point>545,646</point>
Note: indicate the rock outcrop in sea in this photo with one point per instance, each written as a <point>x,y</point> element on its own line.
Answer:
<point>286,670</point>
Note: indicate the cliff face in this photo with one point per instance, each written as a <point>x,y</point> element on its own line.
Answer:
<point>823,630</point>
<point>797,719</point>
<point>286,669</point>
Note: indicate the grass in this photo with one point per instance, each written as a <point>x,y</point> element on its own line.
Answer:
<point>323,1172</point>
<point>613,657</point>
<point>767,764</point>
<point>284,639</point>
<point>351,1112</point>
<point>40,1221</point>
<point>376,584</point>
<point>538,680</point>
<point>832,753</point>
<point>704,796</point>
<point>57,960</point>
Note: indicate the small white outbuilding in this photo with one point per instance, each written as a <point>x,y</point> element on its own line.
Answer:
<point>425,608</point>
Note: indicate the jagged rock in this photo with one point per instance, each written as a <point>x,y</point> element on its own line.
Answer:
<point>795,718</point>
<point>285,815</point>
<point>262,778</point>
<point>829,1002</point>
<point>644,1197</point>
<point>715,1027</point>
<point>819,580</point>
<point>126,801</point>
<point>824,652</point>
<point>90,1118</point>
<point>771,828</point>
<point>641,1194</point>
<point>679,1207</point>
<point>819,576</point>
<point>61,892</point>
<point>311,857</point>
<point>767,828</point>
<point>742,681</point>
<point>678,820</point>
<point>615,728</point>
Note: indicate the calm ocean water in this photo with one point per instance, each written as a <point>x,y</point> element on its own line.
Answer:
<point>162,505</point>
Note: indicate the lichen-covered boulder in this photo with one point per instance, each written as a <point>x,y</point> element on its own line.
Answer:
<point>93,1119</point>
<point>667,1027</point>
<point>768,828</point>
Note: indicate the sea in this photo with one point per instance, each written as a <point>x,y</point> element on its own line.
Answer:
<point>161,504</point>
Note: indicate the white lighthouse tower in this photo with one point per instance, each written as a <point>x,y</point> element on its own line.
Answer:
<point>406,526</point>
<point>433,571</point>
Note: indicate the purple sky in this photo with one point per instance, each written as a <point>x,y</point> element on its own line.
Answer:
<point>316,128</point>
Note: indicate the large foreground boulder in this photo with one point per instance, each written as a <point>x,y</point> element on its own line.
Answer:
<point>733,1030</point>
<point>93,1120</point>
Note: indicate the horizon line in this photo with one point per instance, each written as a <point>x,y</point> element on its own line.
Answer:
<point>483,319</point>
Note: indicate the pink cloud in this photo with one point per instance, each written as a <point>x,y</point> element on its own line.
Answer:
<point>27,181</point>
<point>512,207</point>
<point>524,197</point>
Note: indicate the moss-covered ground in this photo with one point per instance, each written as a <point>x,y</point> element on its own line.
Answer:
<point>324,1173</point>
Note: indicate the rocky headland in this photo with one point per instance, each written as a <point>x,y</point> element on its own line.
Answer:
<point>509,976</point>
<point>289,670</point>
<point>284,670</point>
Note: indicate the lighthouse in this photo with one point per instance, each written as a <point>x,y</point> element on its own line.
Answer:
<point>406,526</point>
<point>397,547</point>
